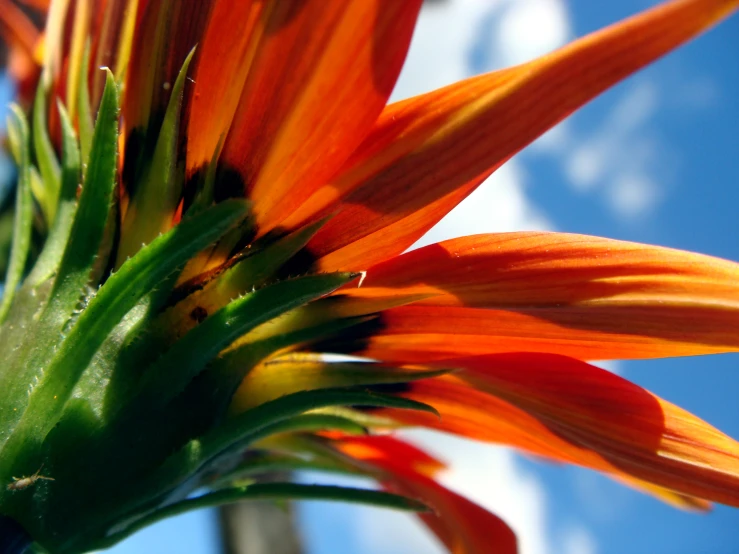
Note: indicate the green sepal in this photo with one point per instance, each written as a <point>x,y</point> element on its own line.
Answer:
<point>94,208</point>
<point>21,243</point>
<point>311,422</point>
<point>251,271</point>
<point>187,357</point>
<point>242,278</point>
<point>240,431</point>
<point>121,292</point>
<point>45,156</point>
<point>158,191</point>
<point>28,361</point>
<point>184,471</point>
<point>243,429</point>
<point>257,463</point>
<point>271,491</point>
<point>51,256</point>
<point>6,238</point>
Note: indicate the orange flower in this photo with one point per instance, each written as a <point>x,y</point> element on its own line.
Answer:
<point>205,355</point>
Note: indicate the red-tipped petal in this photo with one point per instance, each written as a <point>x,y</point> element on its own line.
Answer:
<point>463,526</point>
<point>567,410</point>
<point>425,149</point>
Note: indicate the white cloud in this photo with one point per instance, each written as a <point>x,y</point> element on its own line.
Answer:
<point>620,159</point>
<point>578,541</point>
<point>527,29</point>
<point>441,45</point>
<point>633,195</point>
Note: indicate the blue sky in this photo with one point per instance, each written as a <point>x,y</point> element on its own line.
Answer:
<point>654,160</point>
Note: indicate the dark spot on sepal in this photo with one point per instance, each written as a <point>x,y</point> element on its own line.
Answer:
<point>198,314</point>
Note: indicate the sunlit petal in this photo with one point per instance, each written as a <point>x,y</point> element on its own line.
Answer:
<point>427,153</point>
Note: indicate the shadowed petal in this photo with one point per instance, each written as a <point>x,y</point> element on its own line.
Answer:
<point>165,34</point>
<point>570,411</point>
<point>224,59</point>
<point>319,74</point>
<point>425,333</point>
<point>463,526</point>
<point>427,153</point>
<point>587,297</point>
<point>530,269</point>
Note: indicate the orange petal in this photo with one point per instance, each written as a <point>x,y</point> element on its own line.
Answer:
<point>567,410</point>
<point>425,333</point>
<point>321,73</point>
<point>425,148</point>
<point>224,58</point>
<point>17,29</point>
<point>531,269</point>
<point>463,526</point>
<point>586,297</point>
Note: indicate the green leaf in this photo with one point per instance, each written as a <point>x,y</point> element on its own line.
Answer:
<point>51,256</point>
<point>272,491</point>
<point>176,368</point>
<point>45,156</point>
<point>23,211</point>
<point>121,292</point>
<point>158,191</point>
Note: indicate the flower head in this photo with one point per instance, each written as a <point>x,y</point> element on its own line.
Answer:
<point>236,215</point>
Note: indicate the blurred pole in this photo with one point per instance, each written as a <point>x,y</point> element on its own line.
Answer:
<point>258,528</point>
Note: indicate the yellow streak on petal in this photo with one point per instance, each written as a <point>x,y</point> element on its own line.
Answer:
<point>125,42</point>
<point>53,43</point>
<point>80,32</point>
